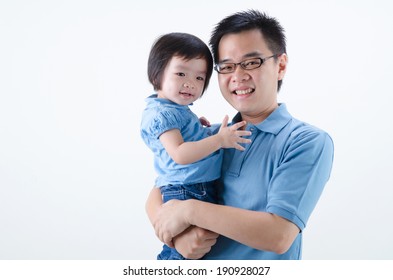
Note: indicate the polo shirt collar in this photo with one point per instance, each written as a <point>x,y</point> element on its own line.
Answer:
<point>274,122</point>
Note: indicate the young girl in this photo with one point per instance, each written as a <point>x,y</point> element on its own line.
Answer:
<point>187,155</point>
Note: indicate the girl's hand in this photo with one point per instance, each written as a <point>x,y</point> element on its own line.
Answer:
<point>204,121</point>
<point>232,136</point>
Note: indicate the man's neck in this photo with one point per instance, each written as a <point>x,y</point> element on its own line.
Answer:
<point>260,117</point>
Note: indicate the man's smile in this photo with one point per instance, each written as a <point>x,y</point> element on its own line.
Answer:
<point>243,91</point>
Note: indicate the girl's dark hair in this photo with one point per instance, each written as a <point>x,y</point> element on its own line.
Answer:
<point>183,45</point>
<point>270,28</point>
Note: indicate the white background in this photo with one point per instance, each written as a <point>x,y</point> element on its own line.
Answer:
<point>74,173</point>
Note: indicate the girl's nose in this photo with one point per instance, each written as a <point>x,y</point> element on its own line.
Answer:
<point>188,85</point>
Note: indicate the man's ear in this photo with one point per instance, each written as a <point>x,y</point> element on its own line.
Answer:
<point>282,65</point>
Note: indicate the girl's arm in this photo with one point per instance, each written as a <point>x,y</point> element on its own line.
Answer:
<point>188,152</point>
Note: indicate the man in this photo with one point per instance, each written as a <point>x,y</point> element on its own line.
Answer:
<point>269,190</point>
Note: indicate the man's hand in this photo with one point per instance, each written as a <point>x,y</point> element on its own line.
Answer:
<point>195,242</point>
<point>171,220</point>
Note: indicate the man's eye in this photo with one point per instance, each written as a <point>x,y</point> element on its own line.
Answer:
<point>226,67</point>
<point>251,62</point>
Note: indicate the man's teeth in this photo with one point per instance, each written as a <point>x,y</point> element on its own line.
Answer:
<point>246,91</point>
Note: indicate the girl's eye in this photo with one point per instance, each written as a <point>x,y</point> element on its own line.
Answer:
<point>180,74</point>
<point>200,78</point>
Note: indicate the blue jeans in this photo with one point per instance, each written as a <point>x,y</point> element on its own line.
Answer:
<point>200,191</point>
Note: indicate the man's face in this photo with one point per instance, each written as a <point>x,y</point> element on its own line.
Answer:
<point>251,92</point>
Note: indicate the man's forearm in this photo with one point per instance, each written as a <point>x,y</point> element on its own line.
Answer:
<point>153,203</point>
<point>260,230</point>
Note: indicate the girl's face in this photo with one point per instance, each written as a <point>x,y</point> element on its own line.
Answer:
<point>183,80</point>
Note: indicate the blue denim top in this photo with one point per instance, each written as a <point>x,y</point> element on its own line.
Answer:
<point>161,115</point>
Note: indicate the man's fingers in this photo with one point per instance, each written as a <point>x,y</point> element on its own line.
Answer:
<point>205,234</point>
<point>170,244</point>
<point>164,238</point>
<point>211,235</point>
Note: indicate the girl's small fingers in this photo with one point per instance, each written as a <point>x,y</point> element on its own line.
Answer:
<point>238,125</point>
<point>239,147</point>
<point>243,133</point>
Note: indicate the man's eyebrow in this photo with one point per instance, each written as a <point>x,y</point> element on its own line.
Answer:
<point>248,55</point>
<point>252,54</point>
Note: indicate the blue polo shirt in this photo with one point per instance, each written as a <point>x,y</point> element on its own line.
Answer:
<point>283,171</point>
<point>161,115</point>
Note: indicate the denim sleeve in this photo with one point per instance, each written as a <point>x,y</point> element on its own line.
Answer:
<point>166,120</point>
<point>214,128</point>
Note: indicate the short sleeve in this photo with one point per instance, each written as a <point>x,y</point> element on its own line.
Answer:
<point>301,176</point>
<point>165,120</point>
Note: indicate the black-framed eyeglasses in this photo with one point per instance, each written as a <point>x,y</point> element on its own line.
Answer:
<point>247,64</point>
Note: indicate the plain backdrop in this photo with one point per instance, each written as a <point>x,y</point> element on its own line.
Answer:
<point>74,172</point>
